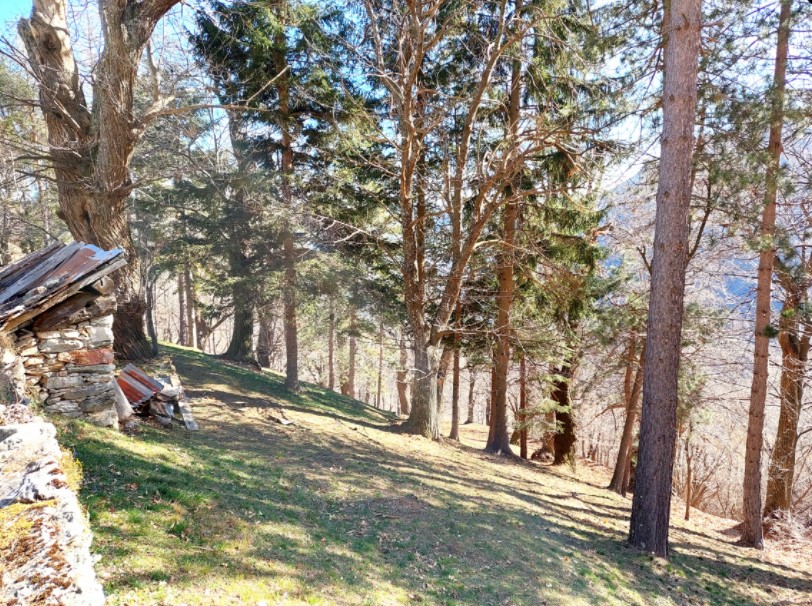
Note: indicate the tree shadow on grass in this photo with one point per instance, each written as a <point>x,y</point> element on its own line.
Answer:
<point>342,517</point>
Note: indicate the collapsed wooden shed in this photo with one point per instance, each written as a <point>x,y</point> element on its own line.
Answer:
<point>56,309</point>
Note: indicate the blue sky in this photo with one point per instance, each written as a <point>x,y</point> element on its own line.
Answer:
<point>14,9</point>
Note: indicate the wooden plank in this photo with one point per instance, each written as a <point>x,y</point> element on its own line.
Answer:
<point>63,313</point>
<point>20,316</point>
<point>186,413</point>
<point>31,279</point>
<point>9,273</point>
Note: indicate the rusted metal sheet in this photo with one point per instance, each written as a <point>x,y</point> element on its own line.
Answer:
<point>44,278</point>
<point>137,385</point>
<point>143,378</point>
<point>136,392</point>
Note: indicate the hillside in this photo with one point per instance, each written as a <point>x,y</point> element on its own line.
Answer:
<point>337,510</point>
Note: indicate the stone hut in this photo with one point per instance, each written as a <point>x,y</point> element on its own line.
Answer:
<point>56,312</point>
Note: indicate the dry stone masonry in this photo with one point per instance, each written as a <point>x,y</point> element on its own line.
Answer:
<point>44,536</point>
<point>56,309</point>
<point>71,368</point>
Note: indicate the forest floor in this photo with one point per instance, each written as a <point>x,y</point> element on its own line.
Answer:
<point>336,509</point>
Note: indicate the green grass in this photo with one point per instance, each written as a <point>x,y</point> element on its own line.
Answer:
<point>339,510</point>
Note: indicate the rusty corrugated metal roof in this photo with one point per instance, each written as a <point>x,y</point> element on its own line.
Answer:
<point>137,385</point>
<point>48,276</point>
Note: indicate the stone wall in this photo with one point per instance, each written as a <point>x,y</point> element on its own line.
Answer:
<point>44,535</point>
<point>71,369</point>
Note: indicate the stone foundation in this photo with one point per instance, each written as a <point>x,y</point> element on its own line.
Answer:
<point>70,368</point>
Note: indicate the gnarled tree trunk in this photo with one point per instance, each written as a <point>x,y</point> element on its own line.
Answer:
<point>423,419</point>
<point>91,148</point>
<point>442,372</point>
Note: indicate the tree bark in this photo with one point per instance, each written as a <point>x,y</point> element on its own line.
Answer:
<point>499,440</point>
<point>403,378</point>
<point>423,419</point>
<point>471,387</point>
<point>795,353</point>
<point>442,373</point>
<point>353,354</point>
<point>752,531</point>
<point>150,301</point>
<point>564,438</point>
<point>523,408</point>
<point>183,329</point>
<point>241,346</point>
<point>191,306</point>
<point>651,506</point>
<point>619,477</point>
<point>90,148</point>
<point>331,337</point>
<point>454,434</point>
<point>380,368</point>
<point>265,336</point>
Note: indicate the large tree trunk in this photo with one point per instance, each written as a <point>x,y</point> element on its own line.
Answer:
<point>564,438</point>
<point>752,531</point>
<point>454,434</point>
<point>442,373</point>
<point>795,352</point>
<point>403,378</point>
<point>423,419</point>
<point>624,453</point>
<point>265,336</point>
<point>150,301</point>
<point>499,440</point>
<point>91,148</point>
<point>651,507</point>
<point>241,346</point>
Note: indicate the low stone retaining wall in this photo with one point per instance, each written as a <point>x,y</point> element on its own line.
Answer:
<point>44,535</point>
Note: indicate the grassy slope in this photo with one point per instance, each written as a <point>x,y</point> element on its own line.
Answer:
<point>340,511</point>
